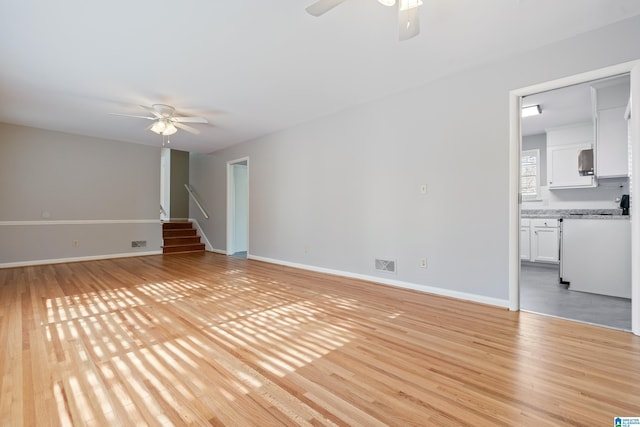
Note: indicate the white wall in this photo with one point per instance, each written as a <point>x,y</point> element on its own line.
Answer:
<point>346,186</point>
<point>56,188</point>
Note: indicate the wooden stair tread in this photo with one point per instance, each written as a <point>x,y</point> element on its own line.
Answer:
<point>180,237</point>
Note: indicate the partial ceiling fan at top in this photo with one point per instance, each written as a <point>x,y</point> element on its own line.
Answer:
<point>408,18</point>
<point>165,120</point>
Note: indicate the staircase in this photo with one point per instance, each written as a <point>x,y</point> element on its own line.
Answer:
<point>180,237</point>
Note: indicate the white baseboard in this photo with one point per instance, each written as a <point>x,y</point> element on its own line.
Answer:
<point>217,251</point>
<point>405,285</point>
<point>76,259</point>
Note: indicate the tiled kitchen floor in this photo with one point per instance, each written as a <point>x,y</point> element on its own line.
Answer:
<point>540,292</point>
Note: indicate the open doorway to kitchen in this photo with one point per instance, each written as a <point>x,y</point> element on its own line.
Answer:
<point>575,243</point>
<point>238,208</point>
<point>572,239</point>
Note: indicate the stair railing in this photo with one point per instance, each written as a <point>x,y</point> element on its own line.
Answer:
<point>195,199</point>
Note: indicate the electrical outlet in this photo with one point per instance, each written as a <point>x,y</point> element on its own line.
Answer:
<point>423,262</point>
<point>74,243</point>
<point>306,249</point>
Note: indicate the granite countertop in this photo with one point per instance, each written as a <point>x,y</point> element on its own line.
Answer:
<point>574,213</point>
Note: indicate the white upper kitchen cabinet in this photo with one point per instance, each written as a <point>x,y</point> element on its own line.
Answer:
<point>562,167</point>
<point>563,149</point>
<point>613,150</point>
<point>612,137</point>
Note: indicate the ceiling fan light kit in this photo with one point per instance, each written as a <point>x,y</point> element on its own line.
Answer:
<point>163,127</point>
<point>408,17</point>
<point>165,120</point>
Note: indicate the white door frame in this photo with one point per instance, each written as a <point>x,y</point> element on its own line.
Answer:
<point>231,197</point>
<point>515,103</point>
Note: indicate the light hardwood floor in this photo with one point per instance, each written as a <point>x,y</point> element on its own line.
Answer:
<point>207,339</point>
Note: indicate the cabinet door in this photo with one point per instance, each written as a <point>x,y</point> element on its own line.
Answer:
<point>544,244</point>
<point>525,244</point>
<point>562,167</point>
<point>612,149</point>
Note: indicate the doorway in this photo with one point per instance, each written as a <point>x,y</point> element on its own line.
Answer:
<point>165,184</point>
<point>238,208</point>
<point>515,196</point>
<point>594,285</point>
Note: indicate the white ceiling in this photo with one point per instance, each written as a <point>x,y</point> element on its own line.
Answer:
<point>559,107</point>
<point>250,67</point>
<point>564,106</point>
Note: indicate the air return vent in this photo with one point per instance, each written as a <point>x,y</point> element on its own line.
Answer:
<point>386,265</point>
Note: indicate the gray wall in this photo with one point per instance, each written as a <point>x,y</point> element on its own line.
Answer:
<point>346,186</point>
<point>56,188</point>
<point>179,177</point>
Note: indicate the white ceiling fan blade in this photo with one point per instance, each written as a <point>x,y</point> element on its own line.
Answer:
<point>189,119</point>
<point>322,6</point>
<point>187,128</point>
<point>129,115</point>
<point>408,19</point>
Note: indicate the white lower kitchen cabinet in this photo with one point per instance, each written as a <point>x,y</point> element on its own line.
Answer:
<point>539,240</point>
<point>545,240</point>
<point>525,240</point>
<point>596,256</point>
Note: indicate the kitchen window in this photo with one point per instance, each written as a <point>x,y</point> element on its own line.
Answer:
<point>530,174</point>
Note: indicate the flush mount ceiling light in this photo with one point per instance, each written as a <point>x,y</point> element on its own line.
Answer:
<point>531,110</point>
<point>387,2</point>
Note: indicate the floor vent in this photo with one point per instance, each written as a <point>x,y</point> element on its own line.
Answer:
<point>387,265</point>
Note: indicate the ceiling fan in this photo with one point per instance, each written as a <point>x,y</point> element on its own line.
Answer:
<point>165,120</point>
<point>408,19</point>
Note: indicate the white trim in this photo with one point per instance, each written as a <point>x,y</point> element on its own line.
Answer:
<point>217,251</point>
<point>207,244</point>
<point>231,203</point>
<point>405,285</point>
<point>77,259</point>
<point>635,195</point>
<point>515,99</point>
<point>515,115</point>
<point>82,222</point>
